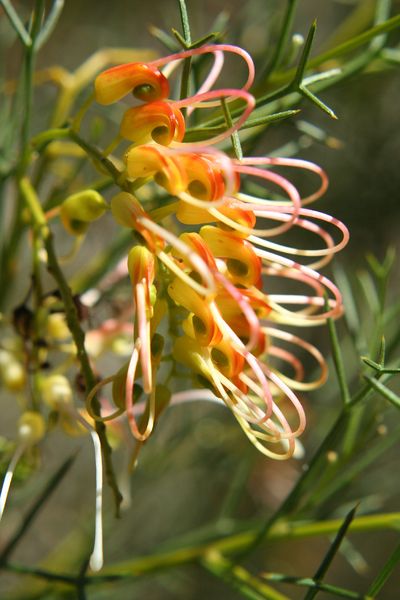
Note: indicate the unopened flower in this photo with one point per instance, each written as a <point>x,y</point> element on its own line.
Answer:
<point>81,209</point>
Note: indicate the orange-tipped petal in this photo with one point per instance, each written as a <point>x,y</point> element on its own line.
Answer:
<point>158,121</point>
<point>245,218</point>
<point>205,180</point>
<point>149,161</point>
<point>146,83</point>
<point>194,241</point>
<point>244,267</point>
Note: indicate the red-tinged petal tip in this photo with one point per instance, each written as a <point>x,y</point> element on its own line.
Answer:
<point>146,83</point>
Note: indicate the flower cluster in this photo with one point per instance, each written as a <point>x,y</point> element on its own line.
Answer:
<point>214,277</point>
<point>218,281</point>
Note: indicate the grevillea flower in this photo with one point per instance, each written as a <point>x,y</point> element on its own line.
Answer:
<point>222,280</point>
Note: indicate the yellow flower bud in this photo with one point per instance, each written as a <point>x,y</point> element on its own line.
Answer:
<point>57,328</point>
<point>80,209</point>
<point>31,427</point>
<point>12,372</point>
<point>141,265</point>
<point>56,390</point>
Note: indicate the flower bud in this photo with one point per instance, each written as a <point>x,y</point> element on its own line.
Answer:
<point>80,209</point>
<point>141,265</point>
<point>56,390</point>
<point>12,372</point>
<point>57,328</point>
<point>31,427</point>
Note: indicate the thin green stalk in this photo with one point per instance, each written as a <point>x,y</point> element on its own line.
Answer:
<point>330,555</point>
<point>282,43</point>
<point>43,573</point>
<point>346,474</point>
<point>317,585</point>
<point>339,363</point>
<point>72,318</point>
<point>30,51</point>
<point>236,145</point>
<point>203,133</point>
<point>50,23</point>
<point>385,573</point>
<point>29,67</point>
<point>188,40</point>
<point>239,578</point>
<point>16,23</point>
<point>384,391</point>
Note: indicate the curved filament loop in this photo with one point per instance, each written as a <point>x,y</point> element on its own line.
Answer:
<point>297,163</point>
<point>201,101</point>
<point>283,430</point>
<point>289,357</point>
<point>211,77</point>
<point>213,49</point>
<point>309,277</point>
<point>239,402</point>
<point>278,205</point>
<point>307,225</point>
<point>252,361</point>
<point>141,436</point>
<point>92,396</point>
<point>327,252</point>
<point>249,415</point>
<point>259,442</point>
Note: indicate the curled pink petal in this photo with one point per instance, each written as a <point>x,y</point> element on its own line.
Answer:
<point>298,382</point>
<point>283,183</point>
<point>211,48</point>
<point>298,164</point>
